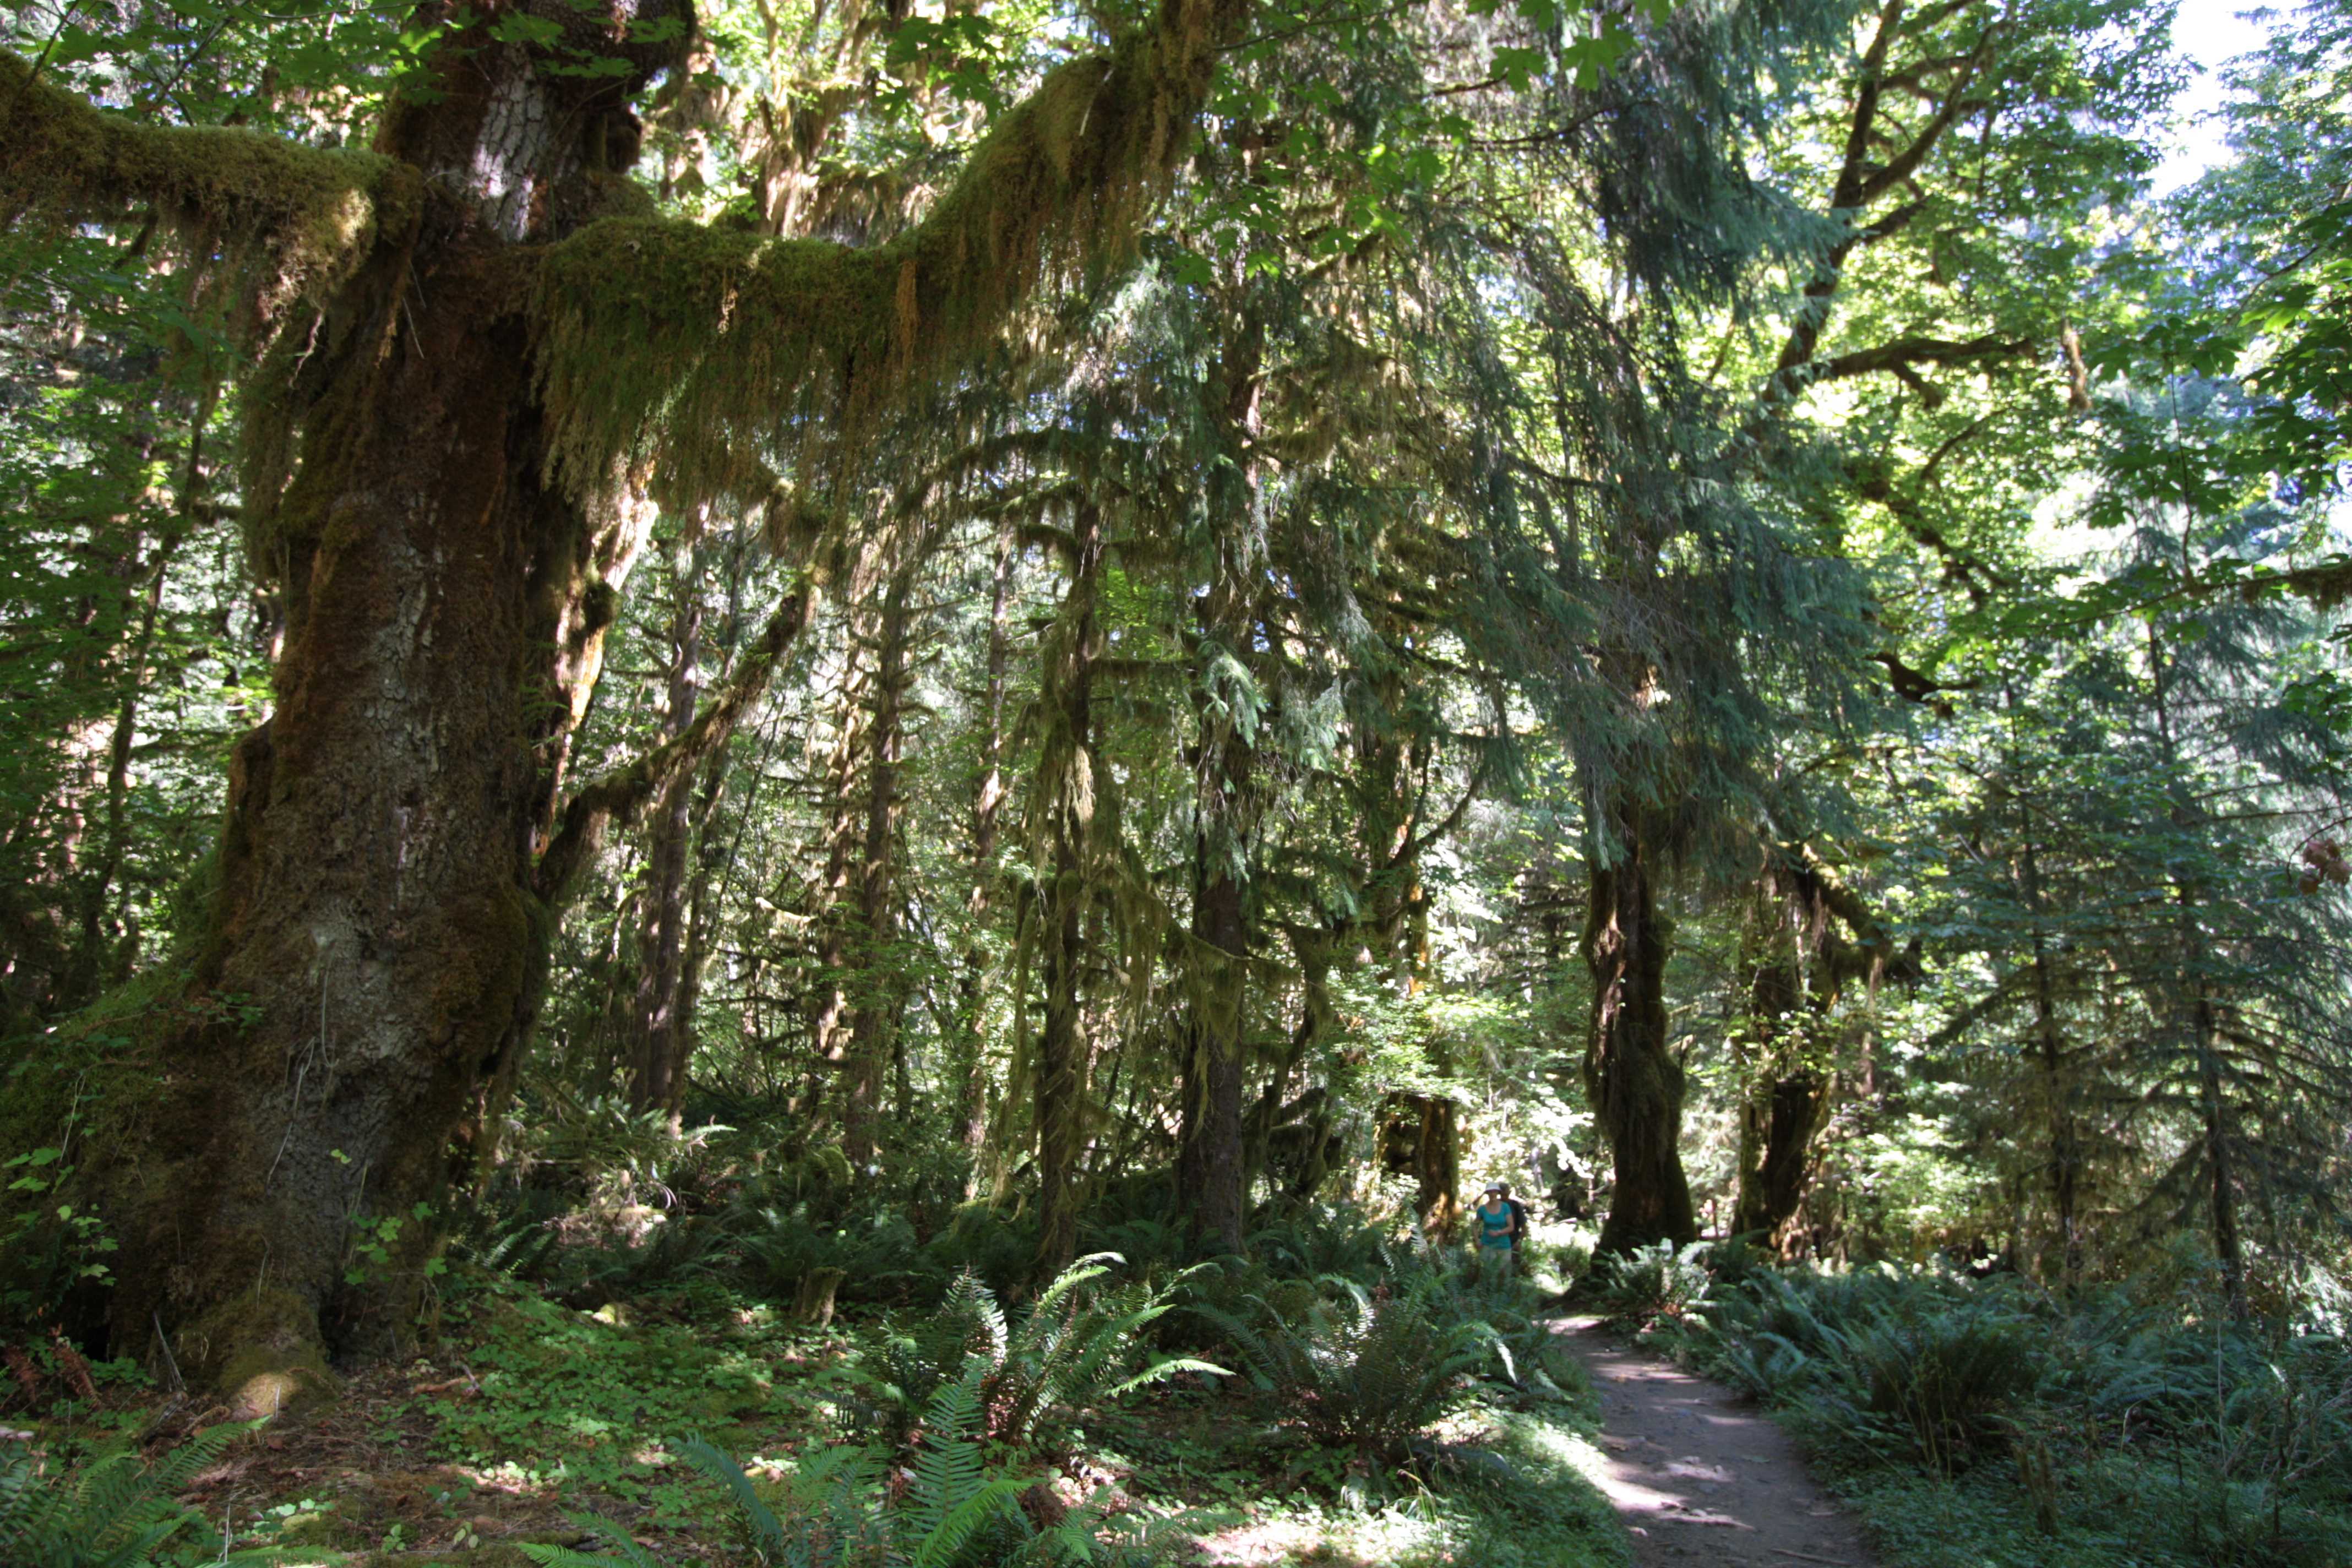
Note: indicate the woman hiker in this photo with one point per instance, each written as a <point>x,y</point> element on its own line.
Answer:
<point>1499,1225</point>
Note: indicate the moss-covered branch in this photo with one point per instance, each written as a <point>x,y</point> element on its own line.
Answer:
<point>700,347</point>
<point>293,220</point>
<point>620,795</point>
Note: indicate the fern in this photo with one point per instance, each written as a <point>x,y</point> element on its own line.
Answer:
<point>1074,1349</point>
<point>629,1555</point>
<point>116,1512</point>
<point>763,1531</point>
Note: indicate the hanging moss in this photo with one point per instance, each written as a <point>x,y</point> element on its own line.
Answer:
<point>292,220</point>
<point>703,349</point>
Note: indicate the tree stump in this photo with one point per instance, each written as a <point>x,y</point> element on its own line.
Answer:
<point>812,1302</point>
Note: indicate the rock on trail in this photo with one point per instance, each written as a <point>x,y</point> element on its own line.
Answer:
<point>1700,1478</point>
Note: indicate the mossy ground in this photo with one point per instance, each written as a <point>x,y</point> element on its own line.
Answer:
<point>527,1408</point>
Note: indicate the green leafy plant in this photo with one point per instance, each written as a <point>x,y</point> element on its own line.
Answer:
<point>116,1511</point>
<point>948,1508</point>
<point>1366,1369</point>
<point>1033,1372</point>
<point>1659,1283</point>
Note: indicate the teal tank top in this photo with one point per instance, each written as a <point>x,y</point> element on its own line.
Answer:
<point>1495,1229</point>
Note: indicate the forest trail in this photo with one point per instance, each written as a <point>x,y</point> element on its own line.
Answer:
<point>1700,1478</point>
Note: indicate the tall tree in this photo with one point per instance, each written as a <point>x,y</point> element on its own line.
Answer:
<point>463,354</point>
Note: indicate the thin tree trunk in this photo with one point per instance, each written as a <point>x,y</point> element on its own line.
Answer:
<point>1059,1068</point>
<point>831,933</point>
<point>873,1031</point>
<point>658,1041</point>
<point>988,799</point>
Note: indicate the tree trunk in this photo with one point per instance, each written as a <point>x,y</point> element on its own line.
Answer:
<point>1070,767</point>
<point>658,1042</point>
<point>2227,1246</point>
<point>881,989</point>
<point>2065,1134</point>
<point>379,939</point>
<point>1635,1084</point>
<point>971,1056</point>
<point>831,932</point>
<point>1782,1107</point>
<point>1209,1187</point>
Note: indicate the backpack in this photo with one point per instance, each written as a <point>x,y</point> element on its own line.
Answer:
<point>1518,1220</point>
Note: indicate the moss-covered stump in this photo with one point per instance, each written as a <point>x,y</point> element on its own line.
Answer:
<point>264,1353</point>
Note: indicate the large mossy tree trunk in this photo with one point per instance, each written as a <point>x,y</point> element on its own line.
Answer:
<point>1635,1082</point>
<point>378,940</point>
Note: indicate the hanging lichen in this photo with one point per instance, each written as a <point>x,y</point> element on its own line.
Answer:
<point>707,349</point>
<point>291,221</point>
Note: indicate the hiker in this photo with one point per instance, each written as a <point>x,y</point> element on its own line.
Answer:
<point>1502,1226</point>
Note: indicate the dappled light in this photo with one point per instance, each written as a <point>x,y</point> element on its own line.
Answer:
<point>944,783</point>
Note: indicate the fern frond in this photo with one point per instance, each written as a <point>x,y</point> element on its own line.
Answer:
<point>766,1531</point>
<point>991,1500</point>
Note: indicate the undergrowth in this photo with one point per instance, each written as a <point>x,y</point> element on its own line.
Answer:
<point>1989,1424</point>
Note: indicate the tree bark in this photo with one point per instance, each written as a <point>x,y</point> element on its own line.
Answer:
<point>1635,1085</point>
<point>659,1044</point>
<point>1786,1096</point>
<point>378,941</point>
<point>881,988</point>
<point>1209,1163</point>
<point>988,800</point>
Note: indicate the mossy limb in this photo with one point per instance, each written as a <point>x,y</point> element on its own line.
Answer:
<point>701,348</point>
<point>295,220</point>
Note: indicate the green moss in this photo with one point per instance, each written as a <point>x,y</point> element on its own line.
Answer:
<point>296,220</point>
<point>262,1349</point>
<point>699,348</point>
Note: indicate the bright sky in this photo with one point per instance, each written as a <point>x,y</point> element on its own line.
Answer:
<point>2211,33</point>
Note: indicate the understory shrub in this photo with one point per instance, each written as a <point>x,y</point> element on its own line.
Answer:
<point>1033,1371</point>
<point>2141,1426</point>
<point>116,1511</point>
<point>1368,1369</point>
<point>948,1506</point>
<point>1655,1283</point>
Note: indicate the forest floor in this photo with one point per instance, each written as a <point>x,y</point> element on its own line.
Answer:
<point>525,1409</point>
<point>1700,1478</point>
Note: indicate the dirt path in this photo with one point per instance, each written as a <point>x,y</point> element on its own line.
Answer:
<point>1700,1478</point>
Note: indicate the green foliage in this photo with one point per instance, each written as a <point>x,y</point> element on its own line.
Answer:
<point>1942,1399</point>
<point>1660,1282</point>
<point>117,1510</point>
<point>956,1509</point>
<point>1368,1369</point>
<point>1033,1372</point>
<point>560,1394</point>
